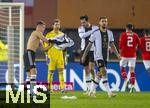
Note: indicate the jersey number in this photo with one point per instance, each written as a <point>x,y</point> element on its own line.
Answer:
<point>147,46</point>
<point>129,41</point>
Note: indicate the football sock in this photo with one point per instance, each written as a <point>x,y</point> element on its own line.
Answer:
<point>28,82</point>
<point>123,73</point>
<point>61,80</point>
<point>50,80</point>
<point>88,81</point>
<point>28,78</point>
<point>88,84</point>
<point>33,83</point>
<point>132,78</point>
<point>105,82</point>
<point>94,84</point>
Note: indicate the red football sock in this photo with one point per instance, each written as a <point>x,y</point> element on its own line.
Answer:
<point>132,78</point>
<point>123,73</point>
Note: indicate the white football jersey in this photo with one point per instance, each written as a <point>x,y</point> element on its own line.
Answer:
<point>96,38</point>
<point>85,34</point>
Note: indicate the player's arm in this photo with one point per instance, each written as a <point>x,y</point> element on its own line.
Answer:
<point>84,34</point>
<point>113,47</point>
<point>65,56</point>
<point>47,47</point>
<point>139,42</point>
<point>86,52</point>
<point>87,49</point>
<point>120,43</point>
<point>41,36</point>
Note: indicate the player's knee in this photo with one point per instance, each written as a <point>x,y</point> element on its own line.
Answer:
<point>91,69</point>
<point>131,69</point>
<point>103,71</point>
<point>86,69</point>
<point>60,70</point>
<point>33,71</point>
<point>51,71</point>
<point>104,74</point>
<point>91,65</point>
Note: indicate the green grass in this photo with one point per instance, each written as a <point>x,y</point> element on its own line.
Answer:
<point>123,100</point>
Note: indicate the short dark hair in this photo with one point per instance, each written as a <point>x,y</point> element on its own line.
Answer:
<point>146,32</point>
<point>84,17</point>
<point>56,21</point>
<point>130,26</point>
<point>102,17</point>
<point>40,22</point>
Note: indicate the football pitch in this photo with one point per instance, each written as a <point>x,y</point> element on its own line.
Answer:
<point>122,100</point>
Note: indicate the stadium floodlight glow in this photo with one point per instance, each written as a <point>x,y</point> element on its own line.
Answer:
<point>12,35</point>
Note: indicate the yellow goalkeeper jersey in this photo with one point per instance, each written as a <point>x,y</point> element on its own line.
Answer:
<point>53,52</point>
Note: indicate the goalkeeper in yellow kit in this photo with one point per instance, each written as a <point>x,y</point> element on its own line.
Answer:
<point>55,54</point>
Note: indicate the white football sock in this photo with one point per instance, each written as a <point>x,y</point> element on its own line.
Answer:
<point>28,77</point>
<point>88,81</point>
<point>105,82</point>
<point>32,82</point>
<point>94,84</point>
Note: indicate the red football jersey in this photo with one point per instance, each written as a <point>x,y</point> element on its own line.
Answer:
<point>128,43</point>
<point>145,47</point>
